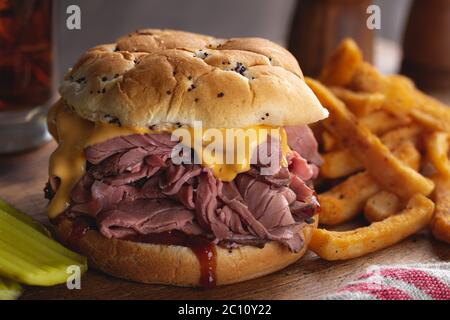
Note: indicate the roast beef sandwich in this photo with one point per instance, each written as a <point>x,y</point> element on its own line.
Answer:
<point>150,179</point>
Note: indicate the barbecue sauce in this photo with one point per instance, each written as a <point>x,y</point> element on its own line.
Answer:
<point>202,247</point>
<point>206,255</point>
<point>80,226</point>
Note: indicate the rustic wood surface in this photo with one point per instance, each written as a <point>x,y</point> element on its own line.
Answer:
<point>22,178</point>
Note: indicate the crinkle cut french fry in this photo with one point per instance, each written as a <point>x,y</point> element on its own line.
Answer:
<point>431,113</point>
<point>429,121</point>
<point>346,200</point>
<point>334,245</point>
<point>385,203</point>
<point>403,98</point>
<point>408,154</point>
<point>360,103</point>
<point>381,205</point>
<point>400,97</point>
<point>437,145</point>
<point>440,226</point>
<point>380,122</point>
<point>389,171</point>
<point>23,217</point>
<point>9,289</point>
<point>338,71</point>
<point>397,90</point>
<point>397,136</point>
<point>407,82</point>
<point>367,79</point>
<point>29,257</point>
<point>339,163</point>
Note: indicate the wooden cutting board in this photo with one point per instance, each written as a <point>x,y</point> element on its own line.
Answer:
<point>22,179</point>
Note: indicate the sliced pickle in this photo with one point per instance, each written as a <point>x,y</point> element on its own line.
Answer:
<point>30,257</point>
<point>23,217</point>
<point>9,289</point>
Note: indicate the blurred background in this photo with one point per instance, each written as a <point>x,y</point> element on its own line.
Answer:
<point>105,20</point>
<point>38,44</point>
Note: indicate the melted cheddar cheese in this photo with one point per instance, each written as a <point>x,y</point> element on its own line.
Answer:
<point>227,165</point>
<point>74,134</point>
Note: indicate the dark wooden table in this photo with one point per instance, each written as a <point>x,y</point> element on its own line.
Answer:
<point>22,178</point>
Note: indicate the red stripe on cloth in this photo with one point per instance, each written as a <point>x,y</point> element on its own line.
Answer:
<point>420,279</point>
<point>366,275</point>
<point>382,292</point>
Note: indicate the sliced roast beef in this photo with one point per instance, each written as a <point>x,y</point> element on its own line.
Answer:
<point>268,205</point>
<point>300,167</point>
<point>301,139</point>
<point>154,144</point>
<point>268,219</point>
<point>185,195</point>
<point>178,175</point>
<point>133,188</point>
<point>145,216</point>
<point>279,179</point>
<point>103,196</point>
<point>206,204</point>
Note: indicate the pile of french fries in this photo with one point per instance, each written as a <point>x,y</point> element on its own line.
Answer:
<point>385,147</point>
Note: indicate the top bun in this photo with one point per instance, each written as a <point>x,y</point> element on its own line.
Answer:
<point>154,77</point>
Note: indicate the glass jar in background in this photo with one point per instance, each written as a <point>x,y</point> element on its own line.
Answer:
<point>318,26</point>
<point>426,45</point>
<point>26,86</point>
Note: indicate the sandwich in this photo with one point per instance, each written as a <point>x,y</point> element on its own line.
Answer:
<point>184,159</point>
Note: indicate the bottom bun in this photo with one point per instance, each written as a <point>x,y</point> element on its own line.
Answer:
<point>178,265</point>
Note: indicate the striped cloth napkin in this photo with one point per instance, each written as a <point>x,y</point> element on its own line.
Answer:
<point>429,281</point>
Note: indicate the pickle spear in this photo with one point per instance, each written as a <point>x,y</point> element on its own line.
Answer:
<point>23,217</point>
<point>32,258</point>
<point>9,289</point>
